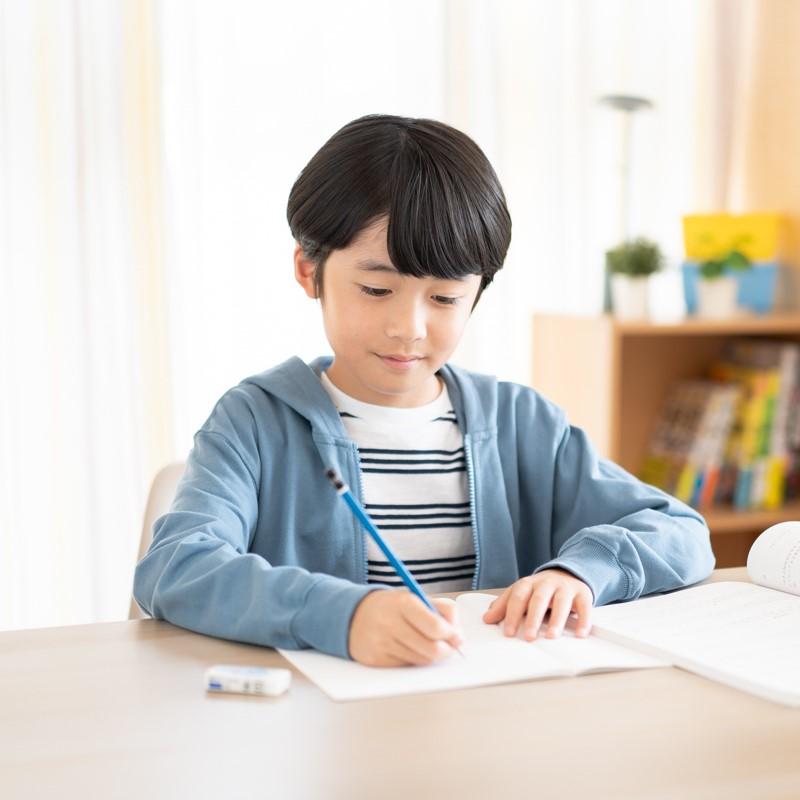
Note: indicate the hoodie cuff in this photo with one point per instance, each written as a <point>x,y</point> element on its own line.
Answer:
<point>323,621</point>
<point>597,567</point>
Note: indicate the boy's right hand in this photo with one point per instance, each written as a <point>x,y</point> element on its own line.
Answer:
<point>393,628</point>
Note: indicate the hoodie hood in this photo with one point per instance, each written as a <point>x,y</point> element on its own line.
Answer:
<point>298,385</point>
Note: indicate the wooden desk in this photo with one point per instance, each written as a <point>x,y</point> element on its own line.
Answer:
<point>118,710</point>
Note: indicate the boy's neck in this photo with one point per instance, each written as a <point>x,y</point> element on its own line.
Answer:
<point>391,400</point>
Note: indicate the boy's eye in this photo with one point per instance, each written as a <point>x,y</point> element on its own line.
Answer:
<point>373,292</point>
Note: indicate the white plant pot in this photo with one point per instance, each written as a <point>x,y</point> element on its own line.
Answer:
<point>630,296</point>
<point>716,297</point>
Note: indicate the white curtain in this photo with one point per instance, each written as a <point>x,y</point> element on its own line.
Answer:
<point>147,152</point>
<point>84,406</point>
<point>249,97</point>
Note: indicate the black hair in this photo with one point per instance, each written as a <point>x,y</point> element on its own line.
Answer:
<point>446,211</point>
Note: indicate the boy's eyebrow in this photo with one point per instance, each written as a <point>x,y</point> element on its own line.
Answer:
<point>370,265</point>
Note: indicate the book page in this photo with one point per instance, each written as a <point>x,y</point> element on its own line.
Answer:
<point>774,558</point>
<point>489,658</point>
<point>741,634</point>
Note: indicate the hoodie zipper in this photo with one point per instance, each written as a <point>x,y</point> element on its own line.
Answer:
<point>472,514</point>
<point>362,535</point>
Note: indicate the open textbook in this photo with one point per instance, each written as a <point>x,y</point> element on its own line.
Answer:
<point>746,635</point>
<point>741,634</point>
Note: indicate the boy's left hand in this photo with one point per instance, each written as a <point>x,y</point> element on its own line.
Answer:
<point>530,598</point>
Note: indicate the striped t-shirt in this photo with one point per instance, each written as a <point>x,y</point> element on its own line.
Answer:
<point>414,478</point>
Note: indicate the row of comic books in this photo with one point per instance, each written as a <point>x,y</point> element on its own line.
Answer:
<point>733,438</point>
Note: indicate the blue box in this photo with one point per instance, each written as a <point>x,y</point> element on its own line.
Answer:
<point>757,286</point>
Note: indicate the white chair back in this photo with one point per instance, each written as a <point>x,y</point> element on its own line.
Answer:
<point>159,499</point>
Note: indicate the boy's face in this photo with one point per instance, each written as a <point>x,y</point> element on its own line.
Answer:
<point>389,332</point>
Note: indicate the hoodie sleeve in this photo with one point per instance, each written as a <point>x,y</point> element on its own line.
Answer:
<point>622,537</point>
<point>198,573</point>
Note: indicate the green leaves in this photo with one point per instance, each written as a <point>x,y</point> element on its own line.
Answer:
<point>635,257</point>
<point>732,260</point>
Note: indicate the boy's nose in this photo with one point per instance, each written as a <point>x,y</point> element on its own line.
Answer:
<point>407,323</point>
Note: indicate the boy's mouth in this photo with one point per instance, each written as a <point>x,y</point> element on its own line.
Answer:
<point>400,361</point>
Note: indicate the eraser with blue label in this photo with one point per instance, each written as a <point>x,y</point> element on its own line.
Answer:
<point>266,681</point>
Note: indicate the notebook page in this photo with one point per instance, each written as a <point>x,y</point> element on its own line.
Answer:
<point>489,658</point>
<point>341,679</point>
<point>578,656</point>
<point>774,558</point>
<point>744,635</point>
<point>592,655</point>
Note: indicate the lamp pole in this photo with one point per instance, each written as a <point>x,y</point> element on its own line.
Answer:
<point>628,105</point>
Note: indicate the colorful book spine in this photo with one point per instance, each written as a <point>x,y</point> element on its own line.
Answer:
<point>687,449</point>
<point>735,438</point>
<point>779,448</point>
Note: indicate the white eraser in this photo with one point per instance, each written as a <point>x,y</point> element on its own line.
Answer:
<point>268,681</point>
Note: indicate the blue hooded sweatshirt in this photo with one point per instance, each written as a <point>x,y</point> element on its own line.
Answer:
<point>257,546</point>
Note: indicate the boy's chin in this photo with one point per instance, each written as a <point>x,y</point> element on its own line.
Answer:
<point>416,393</point>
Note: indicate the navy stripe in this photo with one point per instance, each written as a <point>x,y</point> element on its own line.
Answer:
<point>418,452</point>
<point>425,505</point>
<point>425,525</point>
<point>390,461</point>
<point>423,560</point>
<point>468,576</point>
<point>413,471</point>
<point>419,516</point>
<point>445,419</point>
<point>385,568</point>
<point>391,573</point>
<point>347,414</point>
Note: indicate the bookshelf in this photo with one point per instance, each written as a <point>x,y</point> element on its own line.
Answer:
<point>612,377</point>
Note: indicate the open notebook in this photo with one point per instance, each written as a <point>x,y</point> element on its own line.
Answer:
<point>489,657</point>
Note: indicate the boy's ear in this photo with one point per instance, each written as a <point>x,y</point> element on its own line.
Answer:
<point>304,270</point>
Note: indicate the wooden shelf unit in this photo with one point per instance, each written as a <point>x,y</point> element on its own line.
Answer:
<point>612,378</point>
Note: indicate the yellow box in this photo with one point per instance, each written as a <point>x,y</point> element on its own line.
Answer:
<point>759,235</point>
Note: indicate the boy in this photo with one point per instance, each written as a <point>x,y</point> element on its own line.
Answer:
<point>400,225</point>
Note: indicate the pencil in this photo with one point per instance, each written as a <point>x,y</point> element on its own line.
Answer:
<point>399,567</point>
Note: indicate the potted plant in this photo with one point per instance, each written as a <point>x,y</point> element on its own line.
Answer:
<point>717,287</point>
<point>631,264</point>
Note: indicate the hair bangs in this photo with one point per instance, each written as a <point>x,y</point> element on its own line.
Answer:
<point>437,216</point>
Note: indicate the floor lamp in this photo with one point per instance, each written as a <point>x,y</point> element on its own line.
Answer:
<point>628,105</point>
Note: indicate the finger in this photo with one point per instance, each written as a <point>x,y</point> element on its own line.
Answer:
<point>583,606</point>
<point>392,659</point>
<point>448,609</point>
<point>559,611</point>
<point>428,623</point>
<point>424,650</point>
<point>516,608</point>
<point>497,608</point>
<point>537,608</point>
<point>406,656</point>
